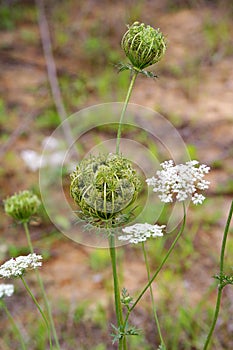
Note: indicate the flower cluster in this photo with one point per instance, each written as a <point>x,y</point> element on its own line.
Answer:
<point>21,206</point>
<point>143,45</point>
<point>6,290</point>
<point>103,186</point>
<point>180,181</point>
<point>141,232</point>
<point>16,267</point>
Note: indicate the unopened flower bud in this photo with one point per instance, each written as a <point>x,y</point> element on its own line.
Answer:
<point>103,187</point>
<point>22,206</point>
<point>143,45</point>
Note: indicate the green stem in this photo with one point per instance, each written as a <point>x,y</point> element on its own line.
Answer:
<point>220,287</point>
<point>118,307</point>
<point>152,296</point>
<point>224,241</point>
<point>39,308</point>
<point>41,284</point>
<point>14,325</point>
<point>159,268</point>
<point>124,110</point>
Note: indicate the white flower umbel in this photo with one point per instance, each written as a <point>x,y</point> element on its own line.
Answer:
<point>180,181</point>
<point>6,290</point>
<point>141,232</point>
<point>16,267</point>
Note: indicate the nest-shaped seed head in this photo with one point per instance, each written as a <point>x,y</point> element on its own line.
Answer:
<point>22,206</point>
<point>143,45</point>
<point>104,186</point>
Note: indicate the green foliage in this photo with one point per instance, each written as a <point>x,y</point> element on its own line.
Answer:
<point>100,347</point>
<point>192,151</point>
<point>29,36</point>
<point>74,90</point>
<point>210,217</point>
<point>217,164</point>
<point>39,334</point>
<point>48,120</point>
<point>98,51</point>
<point>134,12</point>
<point>138,342</point>
<point>80,312</point>
<point>5,20</point>
<point>11,15</point>
<point>103,84</point>
<point>217,35</point>
<point>176,119</point>
<point>99,316</point>
<point>225,187</point>
<point>15,250</point>
<point>156,251</point>
<point>118,333</point>
<point>99,259</point>
<point>3,114</point>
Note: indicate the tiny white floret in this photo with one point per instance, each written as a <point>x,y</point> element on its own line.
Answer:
<point>6,290</point>
<point>141,232</point>
<point>180,181</point>
<point>16,267</point>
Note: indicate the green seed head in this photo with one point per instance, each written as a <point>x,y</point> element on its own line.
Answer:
<point>103,187</point>
<point>22,206</point>
<point>143,45</point>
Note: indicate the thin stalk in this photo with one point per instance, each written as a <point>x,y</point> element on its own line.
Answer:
<point>118,306</point>
<point>14,325</point>
<point>41,284</point>
<point>39,309</point>
<point>158,269</point>
<point>26,229</point>
<point>124,110</point>
<point>152,296</point>
<point>220,286</point>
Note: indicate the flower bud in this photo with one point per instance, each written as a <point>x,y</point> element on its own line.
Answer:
<point>143,45</point>
<point>103,187</point>
<point>22,206</point>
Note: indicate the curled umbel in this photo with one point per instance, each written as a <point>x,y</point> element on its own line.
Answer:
<point>143,45</point>
<point>104,187</point>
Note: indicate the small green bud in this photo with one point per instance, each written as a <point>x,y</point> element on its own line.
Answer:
<point>143,45</point>
<point>22,206</point>
<point>103,187</point>
<point>126,299</point>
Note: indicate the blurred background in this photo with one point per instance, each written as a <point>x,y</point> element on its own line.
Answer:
<point>194,92</point>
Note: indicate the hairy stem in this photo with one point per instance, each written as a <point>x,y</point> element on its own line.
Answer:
<point>152,296</point>
<point>41,284</point>
<point>124,110</point>
<point>220,286</point>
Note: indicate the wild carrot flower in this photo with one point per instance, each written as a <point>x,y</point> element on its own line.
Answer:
<point>180,181</point>
<point>22,206</point>
<point>103,186</point>
<point>6,290</point>
<point>16,267</point>
<point>143,45</point>
<point>141,232</point>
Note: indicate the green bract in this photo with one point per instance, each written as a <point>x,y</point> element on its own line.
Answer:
<point>104,186</point>
<point>143,45</point>
<point>21,206</point>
